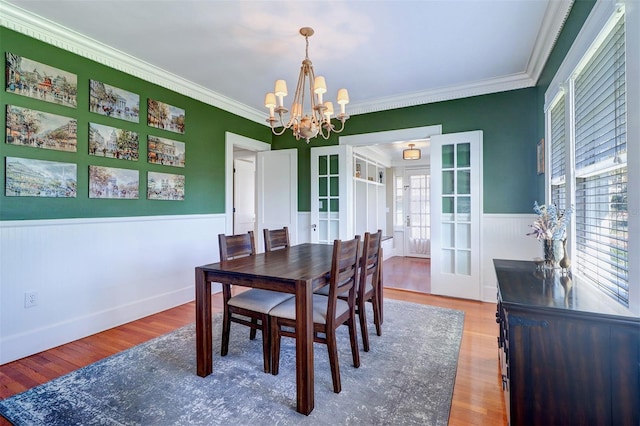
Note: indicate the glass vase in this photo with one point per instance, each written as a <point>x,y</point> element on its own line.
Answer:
<point>553,252</point>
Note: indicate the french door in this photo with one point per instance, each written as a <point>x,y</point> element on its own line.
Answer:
<point>456,206</point>
<point>417,227</point>
<point>331,194</point>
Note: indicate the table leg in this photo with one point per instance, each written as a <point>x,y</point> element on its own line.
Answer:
<point>204,339</point>
<point>304,347</point>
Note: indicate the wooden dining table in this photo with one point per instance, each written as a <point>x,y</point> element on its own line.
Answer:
<point>300,270</point>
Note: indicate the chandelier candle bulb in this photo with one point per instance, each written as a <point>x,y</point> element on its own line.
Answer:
<point>281,91</point>
<point>343,99</point>
<point>270,102</point>
<point>328,112</point>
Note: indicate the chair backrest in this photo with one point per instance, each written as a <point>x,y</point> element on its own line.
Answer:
<point>276,239</point>
<point>344,273</point>
<point>370,260</point>
<point>232,246</point>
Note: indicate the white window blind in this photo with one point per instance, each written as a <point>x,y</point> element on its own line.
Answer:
<point>558,154</point>
<point>601,172</point>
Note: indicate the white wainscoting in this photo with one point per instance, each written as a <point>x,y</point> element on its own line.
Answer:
<point>504,237</point>
<point>94,274</point>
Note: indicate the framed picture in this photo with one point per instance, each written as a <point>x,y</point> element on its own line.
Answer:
<point>110,182</point>
<point>165,151</point>
<point>113,102</point>
<point>107,141</point>
<point>39,81</point>
<point>26,177</point>
<point>165,186</point>
<point>165,116</point>
<point>27,127</point>
<point>540,157</point>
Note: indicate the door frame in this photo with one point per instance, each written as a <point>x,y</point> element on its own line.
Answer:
<point>231,140</point>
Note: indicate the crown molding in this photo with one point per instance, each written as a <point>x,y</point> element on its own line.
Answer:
<point>39,28</point>
<point>483,87</point>
<point>554,18</point>
<point>32,25</point>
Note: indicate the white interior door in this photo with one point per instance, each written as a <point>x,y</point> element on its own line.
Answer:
<point>331,194</point>
<point>244,195</point>
<point>417,226</point>
<point>456,206</point>
<point>277,192</point>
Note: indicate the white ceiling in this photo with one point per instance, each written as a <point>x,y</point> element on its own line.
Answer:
<point>388,54</point>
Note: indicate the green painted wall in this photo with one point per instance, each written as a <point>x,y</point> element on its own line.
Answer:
<point>512,122</point>
<point>204,139</point>
<point>508,122</point>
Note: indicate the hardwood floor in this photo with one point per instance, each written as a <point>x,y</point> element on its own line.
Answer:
<point>477,395</point>
<point>407,273</point>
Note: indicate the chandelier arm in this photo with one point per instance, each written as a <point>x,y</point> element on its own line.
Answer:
<point>341,128</point>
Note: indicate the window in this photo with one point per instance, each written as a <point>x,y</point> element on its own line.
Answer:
<point>601,167</point>
<point>398,202</point>
<point>587,128</point>
<point>558,149</point>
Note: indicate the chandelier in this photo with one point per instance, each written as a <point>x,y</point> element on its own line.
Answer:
<point>305,123</point>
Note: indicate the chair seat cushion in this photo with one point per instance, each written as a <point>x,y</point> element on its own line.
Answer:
<point>259,300</point>
<point>288,309</point>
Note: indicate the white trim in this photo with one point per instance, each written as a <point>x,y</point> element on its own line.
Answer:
<point>477,88</point>
<point>93,220</point>
<point>231,140</point>
<point>414,133</point>
<point>553,21</point>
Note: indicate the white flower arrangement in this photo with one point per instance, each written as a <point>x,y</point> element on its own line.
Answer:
<point>551,223</point>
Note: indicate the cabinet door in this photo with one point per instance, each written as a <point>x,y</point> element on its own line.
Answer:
<point>331,194</point>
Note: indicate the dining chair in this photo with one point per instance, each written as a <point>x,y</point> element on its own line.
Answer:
<point>369,288</point>
<point>369,284</point>
<point>251,307</point>
<point>329,312</point>
<point>276,239</point>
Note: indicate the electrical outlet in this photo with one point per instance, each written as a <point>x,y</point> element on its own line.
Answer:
<point>30,299</point>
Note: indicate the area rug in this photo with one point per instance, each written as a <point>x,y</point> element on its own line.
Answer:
<point>407,378</point>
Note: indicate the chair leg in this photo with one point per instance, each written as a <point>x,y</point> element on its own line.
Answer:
<point>362,314</point>
<point>275,345</point>
<point>377,315</point>
<point>253,332</point>
<point>332,348</point>
<point>353,336</point>
<point>266,343</point>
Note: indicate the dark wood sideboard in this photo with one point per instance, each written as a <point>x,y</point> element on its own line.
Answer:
<point>568,354</point>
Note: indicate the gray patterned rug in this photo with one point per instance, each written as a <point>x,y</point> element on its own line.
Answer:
<point>406,378</point>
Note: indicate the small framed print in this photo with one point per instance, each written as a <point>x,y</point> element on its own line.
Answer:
<point>540,157</point>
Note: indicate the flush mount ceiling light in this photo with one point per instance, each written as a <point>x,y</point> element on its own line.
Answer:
<point>411,153</point>
<point>310,90</point>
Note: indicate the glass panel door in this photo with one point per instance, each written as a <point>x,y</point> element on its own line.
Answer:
<point>329,194</point>
<point>417,227</point>
<point>456,214</point>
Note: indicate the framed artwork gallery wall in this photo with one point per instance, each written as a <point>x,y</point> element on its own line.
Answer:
<point>188,149</point>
